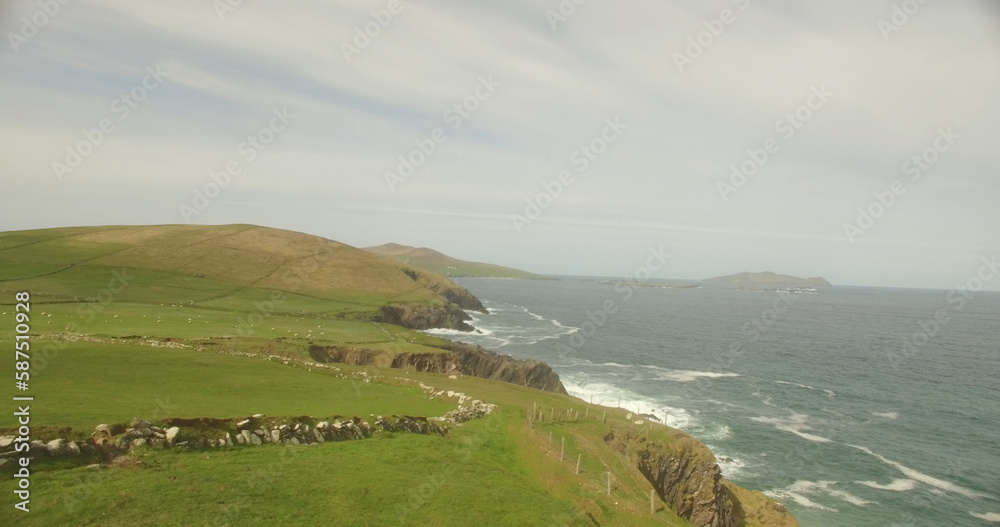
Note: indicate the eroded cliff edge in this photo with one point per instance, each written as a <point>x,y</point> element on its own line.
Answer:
<point>685,475</point>
<point>420,317</point>
<point>451,314</point>
<point>465,359</point>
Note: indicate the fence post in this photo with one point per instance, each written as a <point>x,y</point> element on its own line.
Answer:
<point>578,458</point>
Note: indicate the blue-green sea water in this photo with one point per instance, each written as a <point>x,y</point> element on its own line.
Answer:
<point>852,406</point>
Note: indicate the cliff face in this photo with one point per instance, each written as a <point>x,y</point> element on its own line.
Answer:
<point>684,473</point>
<point>484,363</point>
<point>695,487</point>
<point>450,315</point>
<point>461,297</point>
<point>420,317</point>
<point>448,290</point>
<point>463,358</point>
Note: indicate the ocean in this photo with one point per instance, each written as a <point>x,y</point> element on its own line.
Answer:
<point>853,406</point>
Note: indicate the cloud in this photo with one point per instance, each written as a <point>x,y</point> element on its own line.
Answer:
<point>557,87</point>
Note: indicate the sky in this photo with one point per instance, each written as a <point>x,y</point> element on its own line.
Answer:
<point>854,140</point>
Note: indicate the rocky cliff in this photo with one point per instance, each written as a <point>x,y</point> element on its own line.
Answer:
<point>461,297</point>
<point>685,475</point>
<point>465,359</point>
<point>419,316</point>
<point>451,314</point>
<point>447,289</point>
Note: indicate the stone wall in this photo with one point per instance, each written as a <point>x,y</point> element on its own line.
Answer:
<point>112,440</point>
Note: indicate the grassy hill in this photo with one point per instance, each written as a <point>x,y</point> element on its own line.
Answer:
<point>211,324</point>
<point>233,280</point>
<point>199,262</point>
<point>443,264</point>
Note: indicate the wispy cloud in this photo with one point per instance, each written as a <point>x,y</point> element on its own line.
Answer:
<point>609,59</point>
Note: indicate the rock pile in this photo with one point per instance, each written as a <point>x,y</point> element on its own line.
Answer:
<point>416,425</point>
<point>140,432</point>
<point>475,410</point>
<point>117,439</point>
<point>252,433</point>
<point>56,447</point>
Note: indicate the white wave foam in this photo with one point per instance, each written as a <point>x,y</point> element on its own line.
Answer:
<point>445,332</point>
<point>849,498</point>
<point>691,376</point>
<point>798,498</point>
<point>609,395</point>
<point>732,467</point>
<point>796,424</point>
<point>666,374</point>
<point>797,491</point>
<point>898,485</point>
<point>733,464</point>
<point>535,315</point>
<point>523,331</point>
<point>720,433</point>
<point>569,329</point>
<point>829,393</point>
<point>923,478</point>
<point>886,415</point>
<point>766,399</point>
<point>993,517</point>
<point>795,384</point>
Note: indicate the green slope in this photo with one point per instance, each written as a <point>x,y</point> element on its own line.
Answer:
<point>443,264</point>
<point>185,322</point>
<point>230,257</point>
<point>218,281</point>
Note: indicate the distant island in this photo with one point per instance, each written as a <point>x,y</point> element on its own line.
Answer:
<point>443,264</point>
<point>769,279</point>
<point>654,285</point>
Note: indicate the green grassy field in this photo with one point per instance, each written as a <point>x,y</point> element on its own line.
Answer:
<point>184,322</point>
<point>518,479</point>
<point>494,471</point>
<point>374,482</point>
<point>77,386</point>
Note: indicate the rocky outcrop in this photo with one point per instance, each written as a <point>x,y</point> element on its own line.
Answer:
<point>684,474</point>
<point>450,314</point>
<point>423,316</point>
<point>448,290</point>
<point>465,359</point>
<point>462,298</point>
